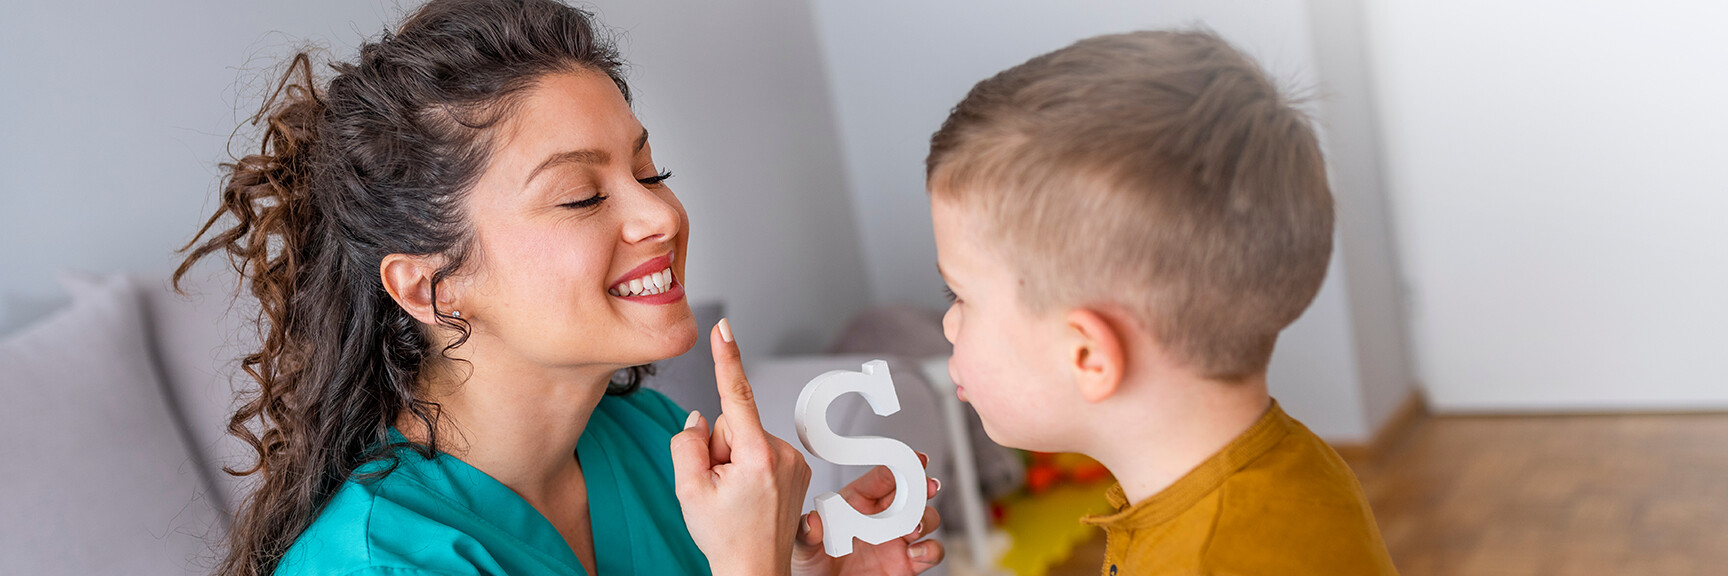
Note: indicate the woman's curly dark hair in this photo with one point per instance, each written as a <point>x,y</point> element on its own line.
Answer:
<point>375,162</point>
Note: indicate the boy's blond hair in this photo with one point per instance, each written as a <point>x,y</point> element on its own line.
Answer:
<point>1159,171</point>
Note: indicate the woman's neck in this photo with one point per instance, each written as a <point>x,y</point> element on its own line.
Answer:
<point>519,423</point>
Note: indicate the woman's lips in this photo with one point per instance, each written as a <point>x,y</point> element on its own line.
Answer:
<point>652,282</point>
<point>653,265</point>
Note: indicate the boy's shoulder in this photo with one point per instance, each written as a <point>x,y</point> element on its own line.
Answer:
<point>1299,469</point>
<point>1276,500</point>
<point>1296,509</point>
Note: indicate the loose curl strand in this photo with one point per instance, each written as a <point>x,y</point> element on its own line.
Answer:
<point>376,161</point>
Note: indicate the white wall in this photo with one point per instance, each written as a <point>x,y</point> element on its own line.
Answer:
<point>736,98</point>
<point>898,66</point>
<point>116,114</point>
<point>1560,189</point>
<point>1350,131</point>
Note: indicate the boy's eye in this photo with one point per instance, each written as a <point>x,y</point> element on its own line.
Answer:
<point>655,179</point>
<point>594,200</point>
<point>952,299</point>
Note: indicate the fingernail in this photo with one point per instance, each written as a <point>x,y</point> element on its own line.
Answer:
<point>919,530</point>
<point>725,330</point>
<point>914,551</point>
<point>805,528</point>
<point>691,421</point>
<point>938,482</point>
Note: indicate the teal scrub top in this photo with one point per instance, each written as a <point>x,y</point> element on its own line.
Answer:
<point>442,516</point>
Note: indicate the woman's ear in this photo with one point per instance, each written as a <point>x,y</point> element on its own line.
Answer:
<point>1097,356</point>
<point>408,279</point>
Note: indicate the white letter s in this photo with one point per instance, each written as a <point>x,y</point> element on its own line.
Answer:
<point>839,520</point>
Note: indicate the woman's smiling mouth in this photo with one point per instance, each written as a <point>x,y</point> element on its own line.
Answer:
<point>650,283</point>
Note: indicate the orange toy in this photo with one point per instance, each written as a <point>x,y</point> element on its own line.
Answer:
<point>1045,470</point>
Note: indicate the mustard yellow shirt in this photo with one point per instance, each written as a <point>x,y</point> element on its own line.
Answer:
<point>1276,500</point>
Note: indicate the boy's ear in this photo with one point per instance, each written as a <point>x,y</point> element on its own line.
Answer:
<point>408,279</point>
<point>1097,356</point>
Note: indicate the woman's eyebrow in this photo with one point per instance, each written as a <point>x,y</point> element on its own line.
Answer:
<point>583,156</point>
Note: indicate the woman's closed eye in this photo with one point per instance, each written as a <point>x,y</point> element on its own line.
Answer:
<point>588,202</point>
<point>597,198</point>
<point>656,179</point>
<point>949,293</point>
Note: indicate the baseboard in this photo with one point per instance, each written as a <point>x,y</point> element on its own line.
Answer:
<point>1409,415</point>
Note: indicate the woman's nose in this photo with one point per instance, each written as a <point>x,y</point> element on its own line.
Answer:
<point>654,217</point>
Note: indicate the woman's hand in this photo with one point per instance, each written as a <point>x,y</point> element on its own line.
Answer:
<point>869,494</point>
<point>740,487</point>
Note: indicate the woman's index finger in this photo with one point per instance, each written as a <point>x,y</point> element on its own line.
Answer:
<point>737,400</point>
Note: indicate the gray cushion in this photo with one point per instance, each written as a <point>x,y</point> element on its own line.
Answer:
<point>198,339</point>
<point>97,478</point>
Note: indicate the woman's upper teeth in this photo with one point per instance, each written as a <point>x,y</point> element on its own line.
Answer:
<point>645,286</point>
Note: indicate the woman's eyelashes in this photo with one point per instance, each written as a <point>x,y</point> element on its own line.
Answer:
<point>656,179</point>
<point>949,293</point>
<point>588,202</point>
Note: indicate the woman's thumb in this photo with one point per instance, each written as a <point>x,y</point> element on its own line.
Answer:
<point>691,468</point>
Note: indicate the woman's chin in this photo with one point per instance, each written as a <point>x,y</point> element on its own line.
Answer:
<point>671,342</point>
<point>682,337</point>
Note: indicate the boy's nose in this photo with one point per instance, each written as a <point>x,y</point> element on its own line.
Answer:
<point>951,323</point>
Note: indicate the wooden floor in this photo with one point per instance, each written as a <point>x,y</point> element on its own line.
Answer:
<point>1556,495</point>
<point>1641,495</point>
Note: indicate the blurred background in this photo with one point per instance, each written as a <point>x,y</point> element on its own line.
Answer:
<point>1519,345</point>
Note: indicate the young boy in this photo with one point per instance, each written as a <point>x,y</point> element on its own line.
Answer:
<point>1125,225</point>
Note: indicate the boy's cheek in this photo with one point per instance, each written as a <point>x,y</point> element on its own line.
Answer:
<point>959,366</point>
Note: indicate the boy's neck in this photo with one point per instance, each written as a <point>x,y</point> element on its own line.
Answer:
<point>1155,433</point>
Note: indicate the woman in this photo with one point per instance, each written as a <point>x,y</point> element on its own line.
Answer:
<point>465,255</point>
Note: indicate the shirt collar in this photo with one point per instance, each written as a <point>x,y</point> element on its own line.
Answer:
<point>1259,438</point>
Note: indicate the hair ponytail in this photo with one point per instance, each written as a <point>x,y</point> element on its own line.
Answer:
<point>374,162</point>
<point>274,237</point>
<point>268,194</point>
